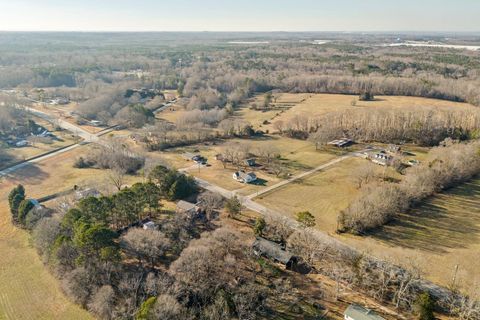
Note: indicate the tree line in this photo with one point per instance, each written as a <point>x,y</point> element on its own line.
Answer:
<point>447,166</point>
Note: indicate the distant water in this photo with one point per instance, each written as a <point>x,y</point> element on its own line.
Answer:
<point>320,41</point>
<point>433,45</point>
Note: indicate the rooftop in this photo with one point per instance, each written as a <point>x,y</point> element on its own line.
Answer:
<point>357,312</point>
<point>185,205</point>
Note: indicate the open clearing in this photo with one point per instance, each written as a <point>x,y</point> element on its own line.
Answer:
<point>323,194</point>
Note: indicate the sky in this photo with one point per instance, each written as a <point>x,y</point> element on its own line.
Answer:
<point>240,15</point>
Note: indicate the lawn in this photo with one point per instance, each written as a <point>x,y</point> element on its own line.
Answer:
<point>324,194</point>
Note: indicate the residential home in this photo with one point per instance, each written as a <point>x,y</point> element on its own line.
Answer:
<point>86,193</point>
<point>244,177</point>
<point>21,143</point>
<point>96,123</point>
<point>356,312</point>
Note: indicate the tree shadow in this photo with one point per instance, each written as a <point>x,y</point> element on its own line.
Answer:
<point>259,182</point>
<point>448,221</point>
<point>29,174</point>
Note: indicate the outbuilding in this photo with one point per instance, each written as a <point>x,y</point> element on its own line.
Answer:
<point>341,143</point>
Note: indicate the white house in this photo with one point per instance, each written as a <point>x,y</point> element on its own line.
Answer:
<point>243,177</point>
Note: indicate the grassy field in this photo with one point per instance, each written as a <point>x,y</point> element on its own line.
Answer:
<point>27,289</point>
<point>281,102</point>
<point>323,194</point>
<point>313,105</point>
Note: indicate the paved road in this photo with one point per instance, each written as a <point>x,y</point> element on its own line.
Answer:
<point>246,201</point>
<point>82,133</point>
<point>10,170</point>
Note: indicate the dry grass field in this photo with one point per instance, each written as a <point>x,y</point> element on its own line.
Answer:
<point>27,289</point>
<point>281,102</point>
<point>438,235</point>
<point>324,194</point>
<point>313,105</point>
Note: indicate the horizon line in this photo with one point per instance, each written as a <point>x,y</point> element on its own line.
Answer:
<point>242,31</point>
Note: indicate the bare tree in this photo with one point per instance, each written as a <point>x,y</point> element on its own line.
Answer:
<point>149,245</point>
<point>103,302</point>
<point>117,176</point>
<point>210,202</point>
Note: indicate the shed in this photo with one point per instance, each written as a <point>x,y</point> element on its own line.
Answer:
<point>382,159</point>
<point>250,162</point>
<point>356,312</point>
